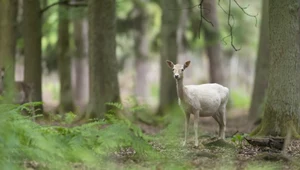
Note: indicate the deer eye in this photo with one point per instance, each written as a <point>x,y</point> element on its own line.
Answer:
<point>173,69</point>
<point>182,69</point>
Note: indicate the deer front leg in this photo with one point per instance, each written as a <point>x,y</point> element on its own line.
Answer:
<point>186,127</point>
<point>196,122</point>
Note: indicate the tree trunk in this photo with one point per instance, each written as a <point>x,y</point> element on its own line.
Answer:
<point>64,61</point>
<point>8,23</point>
<point>168,95</point>
<point>32,48</point>
<point>262,67</point>
<point>81,43</point>
<point>141,50</point>
<point>212,42</point>
<point>282,108</point>
<point>104,86</point>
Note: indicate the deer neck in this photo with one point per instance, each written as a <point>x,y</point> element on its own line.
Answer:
<point>180,91</point>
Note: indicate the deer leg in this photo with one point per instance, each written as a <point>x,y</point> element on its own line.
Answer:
<point>196,122</point>
<point>186,127</point>
<point>217,118</point>
<point>222,116</point>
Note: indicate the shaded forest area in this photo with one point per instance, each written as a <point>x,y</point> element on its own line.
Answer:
<point>85,84</point>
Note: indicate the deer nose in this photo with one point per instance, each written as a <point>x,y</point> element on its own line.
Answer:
<point>176,76</point>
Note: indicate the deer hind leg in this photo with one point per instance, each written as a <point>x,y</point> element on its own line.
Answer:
<point>218,119</point>
<point>222,116</point>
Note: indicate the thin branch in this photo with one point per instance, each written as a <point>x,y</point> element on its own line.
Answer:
<point>187,8</point>
<point>224,10</point>
<point>65,2</point>
<point>231,28</point>
<point>228,14</point>
<point>201,13</point>
<point>243,9</point>
<point>200,6</point>
<point>223,39</point>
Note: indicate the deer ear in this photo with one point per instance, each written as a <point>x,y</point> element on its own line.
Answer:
<point>170,63</point>
<point>186,64</point>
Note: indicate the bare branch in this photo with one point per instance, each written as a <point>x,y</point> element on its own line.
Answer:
<point>65,2</point>
<point>243,9</point>
<point>231,28</point>
<point>187,8</point>
<point>224,10</point>
<point>200,6</point>
<point>223,39</point>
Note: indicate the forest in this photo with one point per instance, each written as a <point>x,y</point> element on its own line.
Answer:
<point>149,84</point>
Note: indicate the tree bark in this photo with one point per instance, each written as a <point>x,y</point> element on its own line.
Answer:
<point>64,61</point>
<point>141,50</point>
<point>262,67</point>
<point>212,42</point>
<point>104,86</point>
<point>8,23</point>
<point>32,48</point>
<point>169,51</point>
<point>282,108</point>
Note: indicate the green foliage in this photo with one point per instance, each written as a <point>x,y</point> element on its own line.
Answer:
<point>238,139</point>
<point>89,144</point>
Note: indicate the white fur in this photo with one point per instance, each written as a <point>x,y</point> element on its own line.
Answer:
<point>201,100</point>
<point>205,100</point>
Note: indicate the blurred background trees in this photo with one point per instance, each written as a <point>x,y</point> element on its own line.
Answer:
<point>127,49</point>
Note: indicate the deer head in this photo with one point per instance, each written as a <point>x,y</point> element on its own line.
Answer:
<point>178,69</point>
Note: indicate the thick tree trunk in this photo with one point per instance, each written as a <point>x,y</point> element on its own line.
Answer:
<point>169,51</point>
<point>8,23</point>
<point>81,43</point>
<point>282,108</point>
<point>104,86</point>
<point>32,48</point>
<point>141,50</point>
<point>212,42</point>
<point>64,61</point>
<point>262,67</point>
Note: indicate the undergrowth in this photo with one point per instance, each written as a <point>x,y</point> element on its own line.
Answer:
<point>92,145</point>
<point>111,143</point>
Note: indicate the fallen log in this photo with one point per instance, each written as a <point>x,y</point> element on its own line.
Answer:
<point>272,142</point>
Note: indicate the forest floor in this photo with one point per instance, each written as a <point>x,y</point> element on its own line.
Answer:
<point>235,153</point>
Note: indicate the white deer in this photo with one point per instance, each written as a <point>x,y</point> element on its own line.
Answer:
<point>200,100</point>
